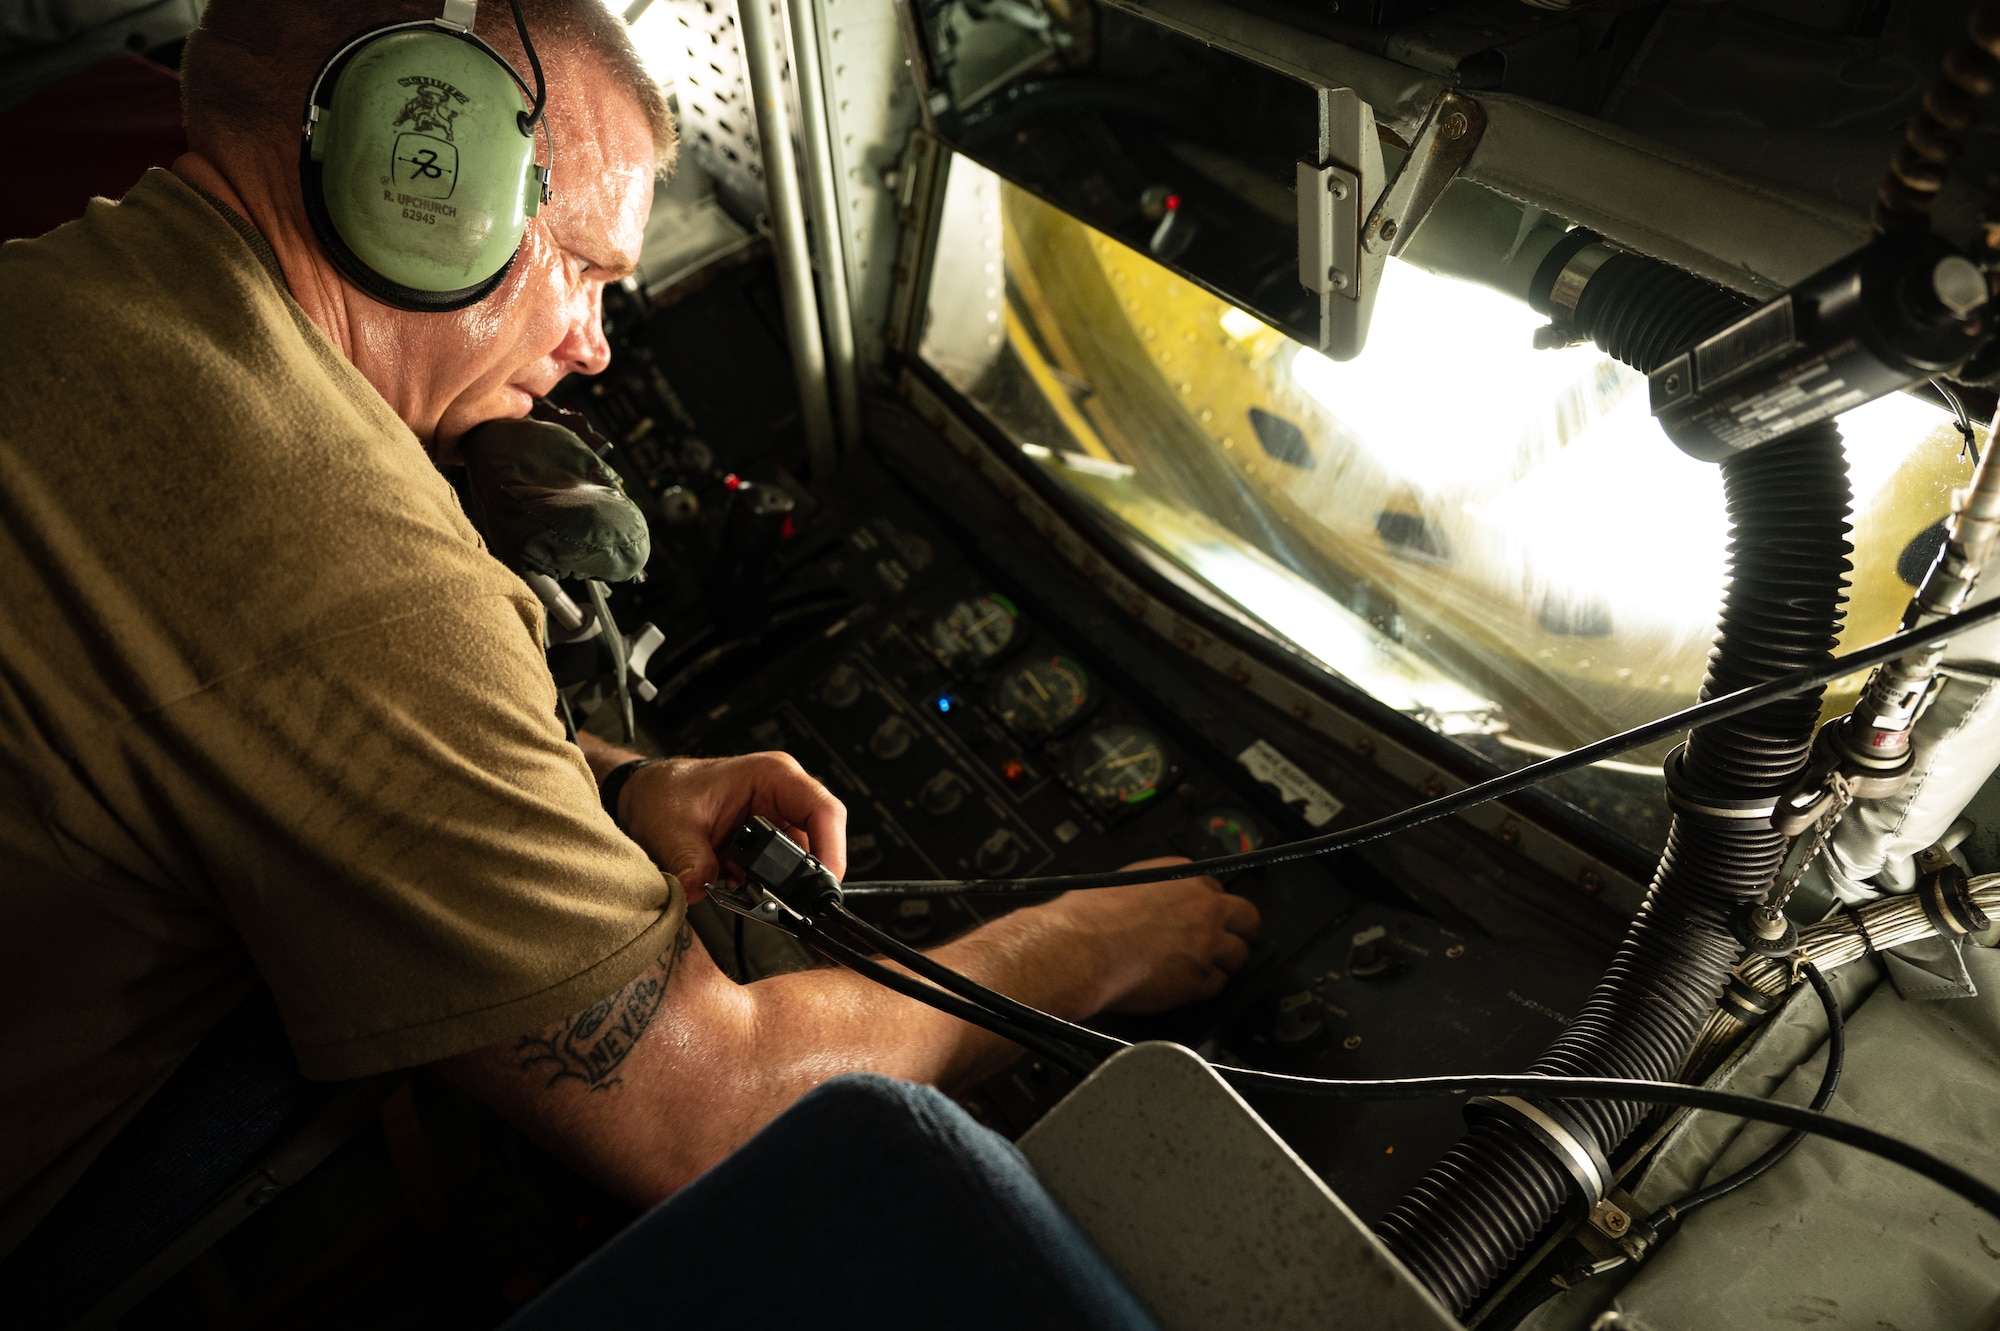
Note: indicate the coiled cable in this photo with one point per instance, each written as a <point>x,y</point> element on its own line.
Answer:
<point>1934,136</point>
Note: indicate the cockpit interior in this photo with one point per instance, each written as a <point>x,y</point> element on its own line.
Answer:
<point>1501,485</point>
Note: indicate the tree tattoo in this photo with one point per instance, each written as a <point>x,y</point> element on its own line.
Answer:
<point>590,1046</point>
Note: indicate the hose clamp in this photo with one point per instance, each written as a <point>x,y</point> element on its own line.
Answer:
<point>1574,277</point>
<point>1746,1002</point>
<point>1748,815</point>
<point>1946,897</point>
<point>1566,1141</point>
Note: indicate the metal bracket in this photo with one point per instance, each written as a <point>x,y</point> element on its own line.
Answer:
<point>1335,191</point>
<point>1329,229</point>
<point>1617,1231</point>
<point>1443,146</point>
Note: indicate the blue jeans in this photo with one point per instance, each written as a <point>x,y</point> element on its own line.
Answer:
<point>870,1203</point>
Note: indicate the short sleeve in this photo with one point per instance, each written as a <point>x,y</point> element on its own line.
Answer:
<point>413,852</point>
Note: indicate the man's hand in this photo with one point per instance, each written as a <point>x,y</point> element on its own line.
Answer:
<point>681,810</point>
<point>1160,945</point>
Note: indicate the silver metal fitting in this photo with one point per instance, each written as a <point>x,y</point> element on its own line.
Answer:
<point>1959,284</point>
<point>1574,277</point>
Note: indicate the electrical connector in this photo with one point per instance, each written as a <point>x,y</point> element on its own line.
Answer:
<point>779,869</point>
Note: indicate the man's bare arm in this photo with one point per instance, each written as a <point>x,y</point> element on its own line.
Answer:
<point>650,1087</point>
<point>590,1047</point>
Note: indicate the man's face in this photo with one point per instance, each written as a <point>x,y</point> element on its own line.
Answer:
<point>446,373</point>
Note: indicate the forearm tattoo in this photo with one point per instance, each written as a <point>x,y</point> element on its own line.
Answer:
<point>590,1046</point>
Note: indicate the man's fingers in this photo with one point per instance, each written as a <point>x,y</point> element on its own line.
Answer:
<point>789,794</point>
<point>1240,917</point>
<point>1161,862</point>
<point>1231,953</point>
<point>693,862</point>
<point>827,826</point>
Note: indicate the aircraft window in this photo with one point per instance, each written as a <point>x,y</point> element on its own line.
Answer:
<point>1493,539</point>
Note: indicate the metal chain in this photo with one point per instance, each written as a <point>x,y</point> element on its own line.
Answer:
<point>1843,796</point>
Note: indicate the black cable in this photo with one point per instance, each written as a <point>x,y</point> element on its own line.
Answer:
<point>1961,422</point>
<point>834,950</point>
<point>1861,927</point>
<point>1046,1023</point>
<point>1715,709</point>
<point>1974,1190</point>
<point>1836,1057</point>
<point>530,119</point>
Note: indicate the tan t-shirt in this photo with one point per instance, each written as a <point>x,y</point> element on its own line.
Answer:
<point>267,706</point>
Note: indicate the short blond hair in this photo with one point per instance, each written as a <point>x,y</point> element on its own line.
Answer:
<point>248,68</point>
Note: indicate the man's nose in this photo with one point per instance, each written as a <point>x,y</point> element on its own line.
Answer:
<point>585,350</point>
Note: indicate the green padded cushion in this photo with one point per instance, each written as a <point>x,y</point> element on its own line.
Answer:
<point>547,504</point>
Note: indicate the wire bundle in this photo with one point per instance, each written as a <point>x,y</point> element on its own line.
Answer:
<point>1831,943</point>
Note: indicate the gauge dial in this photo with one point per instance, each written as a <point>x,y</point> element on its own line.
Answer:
<point>1227,832</point>
<point>1042,696</point>
<point>842,687</point>
<point>973,632</point>
<point>1118,765</point>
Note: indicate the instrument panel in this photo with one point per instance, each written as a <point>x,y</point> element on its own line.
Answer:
<point>980,720</point>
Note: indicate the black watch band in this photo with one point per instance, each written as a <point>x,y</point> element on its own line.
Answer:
<point>613,785</point>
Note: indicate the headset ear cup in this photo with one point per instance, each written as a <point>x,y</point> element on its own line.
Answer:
<point>410,175</point>
<point>312,183</point>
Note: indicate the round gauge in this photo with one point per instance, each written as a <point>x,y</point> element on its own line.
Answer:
<point>1118,765</point>
<point>1041,696</point>
<point>1227,832</point>
<point>973,632</point>
<point>842,687</point>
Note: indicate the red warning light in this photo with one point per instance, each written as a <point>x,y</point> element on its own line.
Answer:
<point>732,481</point>
<point>1013,771</point>
<point>1173,203</point>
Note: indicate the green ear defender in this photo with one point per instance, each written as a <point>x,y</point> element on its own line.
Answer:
<point>418,163</point>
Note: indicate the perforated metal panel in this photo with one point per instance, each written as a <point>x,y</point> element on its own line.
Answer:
<point>718,118</point>
<point>871,108</point>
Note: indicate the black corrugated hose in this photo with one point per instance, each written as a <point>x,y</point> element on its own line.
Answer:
<point>1497,1190</point>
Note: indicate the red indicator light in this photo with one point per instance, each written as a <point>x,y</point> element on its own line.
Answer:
<point>1013,770</point>
<point>788,531</point>
<point>732,481</point>
<point>1173,203</point>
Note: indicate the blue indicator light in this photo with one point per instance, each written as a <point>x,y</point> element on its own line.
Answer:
<point>944,702</point>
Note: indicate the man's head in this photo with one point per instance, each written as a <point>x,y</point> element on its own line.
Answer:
<point>248,69</point>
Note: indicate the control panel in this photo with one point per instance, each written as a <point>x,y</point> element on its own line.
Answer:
<point>976,726</point>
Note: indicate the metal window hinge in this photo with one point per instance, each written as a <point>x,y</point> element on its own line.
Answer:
<point>1443,146</point>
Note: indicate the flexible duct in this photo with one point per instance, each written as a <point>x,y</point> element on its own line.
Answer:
<point>1489,1198</point>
